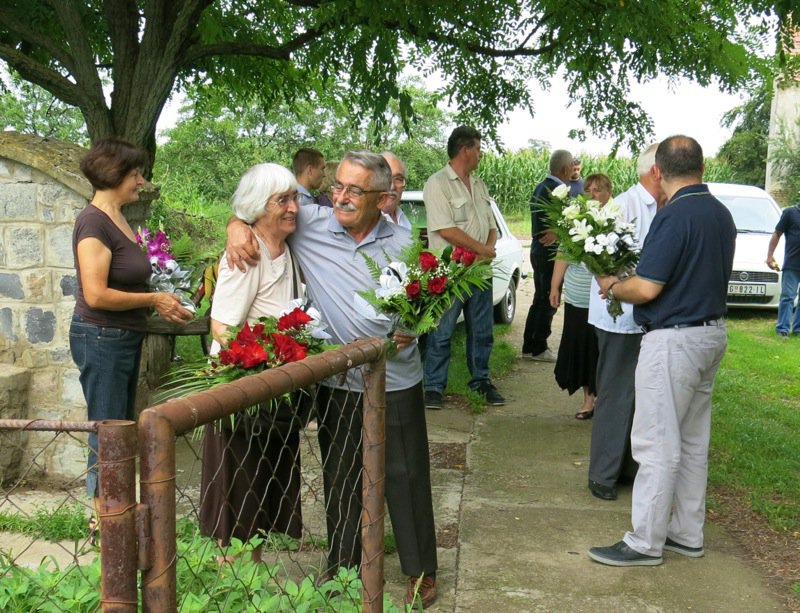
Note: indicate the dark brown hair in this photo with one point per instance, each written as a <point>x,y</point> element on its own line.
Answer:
<point>305,157</point>
<point>110,160</point>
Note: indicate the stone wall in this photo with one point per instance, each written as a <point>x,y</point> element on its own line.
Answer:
<point>41,193</point>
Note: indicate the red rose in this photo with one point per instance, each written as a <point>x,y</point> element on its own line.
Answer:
<point>427,261</point>
<point>413,289</point>
<point>258,331</point>
<point>287,349</point>
<point>458,252</point>
<point>253,354</point>
<point>436,285</point>
<point>467,257</point>
<point>233,354</point>
<point>246,334</point>
<point>293,320</point>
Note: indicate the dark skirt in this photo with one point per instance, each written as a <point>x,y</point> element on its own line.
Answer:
<point>576,364</point>
<point>251,473</point>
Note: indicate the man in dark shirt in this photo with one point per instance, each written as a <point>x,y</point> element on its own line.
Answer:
<point>679,294</point>
<point>788,314</point>
<point>543,252</point>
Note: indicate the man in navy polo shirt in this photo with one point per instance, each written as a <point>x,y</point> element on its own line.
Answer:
<point>678,294</point>
<point>788,314</point>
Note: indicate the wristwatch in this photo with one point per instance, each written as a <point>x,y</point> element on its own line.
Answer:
<point>610,290</point>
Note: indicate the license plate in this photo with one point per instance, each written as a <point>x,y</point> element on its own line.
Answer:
<point>747,289</point>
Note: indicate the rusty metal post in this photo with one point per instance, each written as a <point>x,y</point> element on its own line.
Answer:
<point>373,485</point>
<point>157,480</point>
<point>116,511</point>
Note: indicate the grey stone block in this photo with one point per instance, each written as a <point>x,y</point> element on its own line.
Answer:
<point>24,249</point>
<point>69,285</point>
<point>58,245</point>
<point>7,323</point>
<point>72,392</point>
<point>40,326</point>
<point>18,201</point>
<point>11,286</point>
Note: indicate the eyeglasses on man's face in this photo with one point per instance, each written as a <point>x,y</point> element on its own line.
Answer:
<point>399,180</point>
<point>285,200</point>
<point>352,190</point>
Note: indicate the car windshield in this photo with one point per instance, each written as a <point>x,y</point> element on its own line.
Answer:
<point>751,214</point>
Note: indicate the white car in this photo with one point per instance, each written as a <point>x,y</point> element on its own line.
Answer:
<point>506,267</point>
<point>753,284</point>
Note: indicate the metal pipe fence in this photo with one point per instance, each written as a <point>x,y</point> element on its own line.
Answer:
<point>253,495</point>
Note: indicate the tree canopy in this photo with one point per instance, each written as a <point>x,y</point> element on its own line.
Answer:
<point>119,61</point>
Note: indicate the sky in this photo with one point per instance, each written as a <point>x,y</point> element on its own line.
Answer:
<point>686,109</point>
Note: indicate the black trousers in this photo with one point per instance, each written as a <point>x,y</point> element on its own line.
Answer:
<point>408,477</point>
<point>610,452</point>
<point>540,314</point>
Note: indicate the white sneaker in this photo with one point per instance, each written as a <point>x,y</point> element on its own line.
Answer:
<point>544,356</point>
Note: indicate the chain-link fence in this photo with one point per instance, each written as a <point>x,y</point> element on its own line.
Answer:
<point>265,494</point>
<point>48,557</point>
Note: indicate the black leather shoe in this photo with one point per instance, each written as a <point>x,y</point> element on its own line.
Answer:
<point>606,492</point>
<point>433,400</point>
<point>620,554</point>
<point>490,394</point>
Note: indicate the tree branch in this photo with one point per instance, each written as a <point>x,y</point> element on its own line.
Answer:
<point>36,39</point>
<point>49,79</point>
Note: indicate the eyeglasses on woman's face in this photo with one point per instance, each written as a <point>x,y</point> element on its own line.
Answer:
<point>285,200</point>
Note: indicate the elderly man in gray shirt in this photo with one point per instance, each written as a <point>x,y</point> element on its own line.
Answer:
<point>328,244</point>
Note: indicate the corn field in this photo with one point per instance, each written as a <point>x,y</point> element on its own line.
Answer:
<point>511,177</point>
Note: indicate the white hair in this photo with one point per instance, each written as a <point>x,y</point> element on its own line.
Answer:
<point>646,160</point>
<point>257,185</point>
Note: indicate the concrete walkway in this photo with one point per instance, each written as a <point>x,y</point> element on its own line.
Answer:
<point>525,518</point>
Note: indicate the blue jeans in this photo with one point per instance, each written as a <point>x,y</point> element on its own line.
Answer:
<point>790,283</point>
<point>478,321</point>
<point>108,360</point>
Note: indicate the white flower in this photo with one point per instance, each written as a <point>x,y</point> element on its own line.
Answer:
<point>561,192</point>
<point>591,246</point>
<point>597,213</point>
<point>580,230</point>
<point>612,209</point>
<point>572,211</point>
<point>613,239</point>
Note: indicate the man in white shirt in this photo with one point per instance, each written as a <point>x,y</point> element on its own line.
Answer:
<point>618,343</point>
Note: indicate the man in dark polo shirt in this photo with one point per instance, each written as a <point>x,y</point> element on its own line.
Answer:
<point>678,293</point>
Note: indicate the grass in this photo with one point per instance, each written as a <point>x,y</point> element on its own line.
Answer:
<point>64,523</point>
<point>500,363</point>
<point>756,419</point>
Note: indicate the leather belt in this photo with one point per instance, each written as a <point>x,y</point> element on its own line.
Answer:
<point>691,324</point>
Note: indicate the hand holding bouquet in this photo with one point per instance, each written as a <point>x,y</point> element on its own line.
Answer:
<point>416,290</point>
<point>591,233</point>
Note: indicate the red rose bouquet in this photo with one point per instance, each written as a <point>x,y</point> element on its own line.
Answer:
<point>268,343</point>
<point>416,291</point>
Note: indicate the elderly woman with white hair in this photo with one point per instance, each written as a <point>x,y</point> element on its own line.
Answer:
<point>251,466</point>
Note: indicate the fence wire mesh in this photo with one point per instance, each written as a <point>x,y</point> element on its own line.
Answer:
<point>268,500</point>
<point>254,519</point>
<point>49,560</point>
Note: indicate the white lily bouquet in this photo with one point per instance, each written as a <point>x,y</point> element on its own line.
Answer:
<point>593,234</point>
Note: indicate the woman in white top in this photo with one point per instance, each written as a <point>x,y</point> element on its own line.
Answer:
<point>251,466</point>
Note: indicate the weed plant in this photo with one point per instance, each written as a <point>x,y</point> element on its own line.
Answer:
<point>64,523</point>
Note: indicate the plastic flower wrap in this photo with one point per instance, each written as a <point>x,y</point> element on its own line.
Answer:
<point>415,291</point>
<point>167,275</point>
<point>592,234</point>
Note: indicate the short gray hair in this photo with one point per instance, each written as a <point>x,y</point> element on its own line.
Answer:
<point>560,159</point>
<point>646,160</point>
<point>257,185</point>
<point>389,155</point>
<point>376,164</point>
